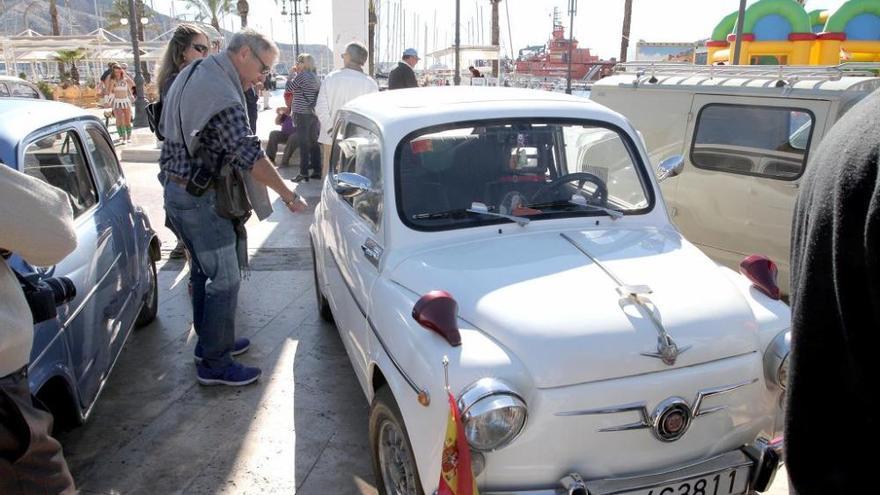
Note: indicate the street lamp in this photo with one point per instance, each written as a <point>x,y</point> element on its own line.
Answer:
<point>143,20</point>
<point>140,116</point>
<point>457,77</point>
<point>737,47</point>
<point>294,21</point>
<point>572,11</point>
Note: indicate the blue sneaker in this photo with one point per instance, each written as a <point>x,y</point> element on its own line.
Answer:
<point>233,375</point>
<point>241,346</point>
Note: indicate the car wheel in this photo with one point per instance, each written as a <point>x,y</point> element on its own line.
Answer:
<point>151,304</point>
<point>393,461</point>
<point>323,304</point>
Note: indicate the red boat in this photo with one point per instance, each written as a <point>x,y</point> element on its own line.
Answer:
<point>551,60</point>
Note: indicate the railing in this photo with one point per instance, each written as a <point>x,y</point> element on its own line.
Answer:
<point>782,72</point>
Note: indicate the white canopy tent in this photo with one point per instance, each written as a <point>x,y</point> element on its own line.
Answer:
<point>33,53</point>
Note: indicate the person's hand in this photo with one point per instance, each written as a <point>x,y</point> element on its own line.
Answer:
<point>297,205</point>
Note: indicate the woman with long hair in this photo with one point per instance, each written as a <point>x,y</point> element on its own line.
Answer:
<point>119,85</point>
<point>305,88</point>
<point>189,43</point>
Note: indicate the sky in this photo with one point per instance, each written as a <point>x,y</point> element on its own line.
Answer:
<point>597,24</point>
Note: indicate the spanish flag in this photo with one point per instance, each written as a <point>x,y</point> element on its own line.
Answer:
<point>456,475</point>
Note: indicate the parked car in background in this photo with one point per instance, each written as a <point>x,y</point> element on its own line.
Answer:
<point>591,347</point>
<point>13,87</point>
<point>746,133</point>
<point>113,267</point>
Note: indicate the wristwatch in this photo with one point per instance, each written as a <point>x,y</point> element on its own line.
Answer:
<point>291,201</point>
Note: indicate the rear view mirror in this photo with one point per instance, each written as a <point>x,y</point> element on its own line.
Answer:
<point>670,167</point>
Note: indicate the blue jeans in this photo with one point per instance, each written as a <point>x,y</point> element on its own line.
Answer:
<point>215,273</point>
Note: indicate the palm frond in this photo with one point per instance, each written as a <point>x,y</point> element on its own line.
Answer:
<point>70,56</point>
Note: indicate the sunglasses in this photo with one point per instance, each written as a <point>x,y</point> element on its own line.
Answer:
<point>266,68</point>
<point>200,48</point>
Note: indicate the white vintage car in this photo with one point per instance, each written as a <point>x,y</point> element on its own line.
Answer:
<point>591,348</point>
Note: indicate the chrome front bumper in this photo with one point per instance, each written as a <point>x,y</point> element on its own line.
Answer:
<point>762,458</point>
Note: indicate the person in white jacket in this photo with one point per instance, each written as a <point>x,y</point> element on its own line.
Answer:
<point>337,89</point>
<point>36,224</point>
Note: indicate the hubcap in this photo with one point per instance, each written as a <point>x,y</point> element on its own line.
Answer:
<point>398,473</point>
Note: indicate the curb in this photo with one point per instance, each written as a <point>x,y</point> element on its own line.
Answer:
<point>149,153</point>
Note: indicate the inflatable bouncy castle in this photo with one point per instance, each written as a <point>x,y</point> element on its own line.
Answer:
<point>781,32</point>
<point>851,34</point>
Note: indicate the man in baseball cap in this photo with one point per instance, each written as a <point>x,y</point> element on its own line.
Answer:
<point>403,75</point>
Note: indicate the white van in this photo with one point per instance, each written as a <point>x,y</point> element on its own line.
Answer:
<point>745,134</point>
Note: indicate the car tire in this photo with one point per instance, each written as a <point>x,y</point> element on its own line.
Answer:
<point>151,303</point>
<point>323,304</point>
<point>389,442</point>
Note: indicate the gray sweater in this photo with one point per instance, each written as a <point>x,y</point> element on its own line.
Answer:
<point>191,102</point>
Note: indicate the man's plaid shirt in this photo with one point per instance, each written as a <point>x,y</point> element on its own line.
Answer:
<point>226,138</point>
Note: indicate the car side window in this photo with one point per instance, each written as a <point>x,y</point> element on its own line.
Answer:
<point>58,159</point>
<point>4,91</point>
<point>334,150</point>
<point>24,91</point>
<point>359,153</point>
<point>763,141</point>
<point>103,157</point>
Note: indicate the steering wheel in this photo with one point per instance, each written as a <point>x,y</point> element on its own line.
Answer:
<point>599,197</point>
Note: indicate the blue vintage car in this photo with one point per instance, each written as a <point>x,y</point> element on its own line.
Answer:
<point>113,266</point>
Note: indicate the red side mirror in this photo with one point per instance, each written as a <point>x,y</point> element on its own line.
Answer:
<point>437,311</point>
<point>762,273</point>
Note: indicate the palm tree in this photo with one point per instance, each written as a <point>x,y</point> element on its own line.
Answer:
<point>56,28</point>
<point>53,14</point>
<point>70,57</point>
<point>371,34</point>
<point>211,8</point>
<point>624,38</point>
<point>242,7</point>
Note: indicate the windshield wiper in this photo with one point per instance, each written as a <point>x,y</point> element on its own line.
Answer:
<point>614,214</point>
<point>484,210</point>
<point>476,208</point>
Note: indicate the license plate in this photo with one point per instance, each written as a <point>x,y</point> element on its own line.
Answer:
<point>729,482</point>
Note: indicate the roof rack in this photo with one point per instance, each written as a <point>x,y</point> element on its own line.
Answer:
<point>781,72</point>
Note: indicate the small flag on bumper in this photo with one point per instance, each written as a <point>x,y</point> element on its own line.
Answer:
<point>456,474</point>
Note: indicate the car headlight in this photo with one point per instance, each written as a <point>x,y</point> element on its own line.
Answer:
<point>492,414</point>
<point>776,360</point>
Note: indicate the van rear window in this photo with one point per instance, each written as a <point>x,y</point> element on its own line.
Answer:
<point>752,140</point>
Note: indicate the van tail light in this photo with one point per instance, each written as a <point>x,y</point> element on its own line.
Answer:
<point>437,311</point>
<point>762,272</point>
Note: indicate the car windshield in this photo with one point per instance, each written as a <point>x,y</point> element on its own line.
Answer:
<point>467,175</point>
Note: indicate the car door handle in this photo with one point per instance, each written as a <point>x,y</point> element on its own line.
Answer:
<point>372,251</point>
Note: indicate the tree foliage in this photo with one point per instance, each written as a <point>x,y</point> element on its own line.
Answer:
<point>70,57</point>
<point>211,9</point>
